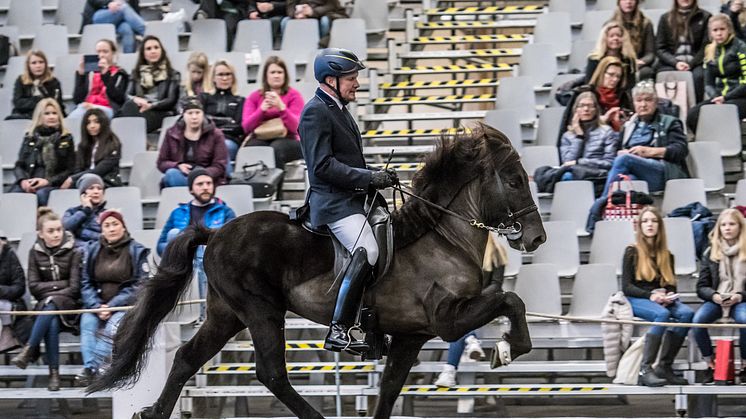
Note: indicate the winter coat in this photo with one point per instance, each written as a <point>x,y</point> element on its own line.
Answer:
<point>225,109</point>
<point>616,336</point>
<point>726,74</point>
<point>597,148</point>
<point>12,278</point>
<point>168,91</point>
<point>92,6</point>
<point>631,286</point>
<point>90,288</point>
<point>668,132</point>
<point>321,8</point>
<point>210,150</point>
<point>56,166</point>
<point>24,101</point>
<point>82,222</point>
<point>116,87</point>
<point>666,44</point>
<point>54,275</point>
<point>215,217</point>
<point>709,278</point>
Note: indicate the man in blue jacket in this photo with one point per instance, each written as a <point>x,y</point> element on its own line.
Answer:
<point>340,180</point>
<point>205,209</point>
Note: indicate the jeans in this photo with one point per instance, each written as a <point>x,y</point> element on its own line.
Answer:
<point>79,111</point>
<point>654,312</point>
<point>127,22</point>
<point>42,194</point>
<point>325,25</point>
<point>174,177</point>
<point>47,328</point>
<point>232,147</point>
<point>456,349</point>
<point>708,313</point>
<point>95,344</point>
<point>650,170</point>
<point>567,175</point>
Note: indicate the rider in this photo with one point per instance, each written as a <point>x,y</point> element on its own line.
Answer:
<point>340,180</point>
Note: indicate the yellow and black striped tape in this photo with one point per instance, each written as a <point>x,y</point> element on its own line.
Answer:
<point>413,132</point>
<point>304,345</point>
<point>454,67</point>
<point>291,368</point>
<point>501,52</point>
<point>485,10</point>
<point>484,389</point>
<point>473,38</point>
<point>439,83</point>
<point>434,99</point>
<point>464,25</point>
<point>399,166</point>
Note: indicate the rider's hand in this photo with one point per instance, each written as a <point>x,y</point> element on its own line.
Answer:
<point>383,179</point>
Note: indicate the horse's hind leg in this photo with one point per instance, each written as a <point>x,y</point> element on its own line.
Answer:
<point>220,325</point>
<point>402,355</point>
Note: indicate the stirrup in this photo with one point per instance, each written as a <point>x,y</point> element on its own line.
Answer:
<point>501,354</point>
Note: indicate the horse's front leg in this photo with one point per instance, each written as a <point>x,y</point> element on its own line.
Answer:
<point>402,355</point>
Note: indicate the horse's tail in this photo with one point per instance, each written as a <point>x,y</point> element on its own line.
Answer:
<point>157,297</point>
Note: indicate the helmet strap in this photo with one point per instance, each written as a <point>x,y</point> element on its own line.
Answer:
<point>337,92</point>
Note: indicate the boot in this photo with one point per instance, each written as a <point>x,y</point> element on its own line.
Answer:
<point>649,354</point>
<point>670,347</point>
<point>27,355</point>
<point>84,377</point>
<point>348,302</point>
<point>54,379</point>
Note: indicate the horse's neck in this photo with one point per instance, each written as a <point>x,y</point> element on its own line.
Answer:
<point>460,233</point>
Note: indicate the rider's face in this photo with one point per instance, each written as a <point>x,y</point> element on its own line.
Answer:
<point>348,86</point>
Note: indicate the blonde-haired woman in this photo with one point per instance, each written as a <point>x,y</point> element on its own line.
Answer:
<point>224,106</point>
<point>198,70</point>
<point>725,70</point>
<point>641,34</point>
<point>47,155</point>
<point>649,283</point>
<point>722,284</point>
<point>36,83</point>
<point>613,41</point>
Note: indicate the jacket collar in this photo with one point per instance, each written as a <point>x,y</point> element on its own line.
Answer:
<point>68,242</point>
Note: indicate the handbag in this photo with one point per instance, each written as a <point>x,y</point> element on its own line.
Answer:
<point>629,365</point>
<point>627,211</point>
<point>270,129</point>
<point>676,92</point>
<point>264,180</point>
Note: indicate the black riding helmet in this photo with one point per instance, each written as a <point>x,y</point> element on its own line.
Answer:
<point>335,62</point>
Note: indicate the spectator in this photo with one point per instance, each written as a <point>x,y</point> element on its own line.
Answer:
<point>735,11</point>
<point>54,281</point>
<point>36,83</point>
<point>12,287</point>
<point>269,9</point>
<point>641,34</point>
<point>99,150</point>
<point>224,107</point>
<point>154,88</point>
<point>193,142</point>
<point>82,220</point>
<point>47,155</point>
<point>680,41</point>
<point>113,270</point>
<point>123,14</point>
<point>105,89</point>
<point>725,70</point>
<point>323,10</point>
<point>649,283</point>
<point>614,42</point>
<point>231,11</point>
<point>588,144</point>
<point>722,284</point>
<point>198,68</point>
<point>206,210</point>
<point>275,100</point>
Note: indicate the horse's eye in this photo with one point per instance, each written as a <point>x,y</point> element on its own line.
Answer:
<point>514,184</point>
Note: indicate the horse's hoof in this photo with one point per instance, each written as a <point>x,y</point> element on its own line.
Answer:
<point>501,354</point>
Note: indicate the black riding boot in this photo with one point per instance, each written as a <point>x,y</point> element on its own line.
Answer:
<point>350,294</point>
<point>649,354</point>
<point>669,348</point>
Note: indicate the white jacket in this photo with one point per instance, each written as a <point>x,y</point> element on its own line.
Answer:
<point>616,336</point>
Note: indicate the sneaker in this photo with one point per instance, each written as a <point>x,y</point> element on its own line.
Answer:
<point>447,378</point>
<point>473,348</point>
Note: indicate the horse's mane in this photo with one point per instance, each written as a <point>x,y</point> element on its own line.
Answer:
<point>456,160</point>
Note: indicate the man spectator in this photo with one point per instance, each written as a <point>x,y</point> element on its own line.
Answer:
<point>231,11</point>
<point>206,210</point>
<point>323,10</point>
<point>82,220</point>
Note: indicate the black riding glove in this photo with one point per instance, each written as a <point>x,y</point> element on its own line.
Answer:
<point>383,179</point>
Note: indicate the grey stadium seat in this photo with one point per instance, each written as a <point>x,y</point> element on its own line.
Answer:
<point>238,197</point>
<point>208,35</point>
<point>571,202</point>
<point>127,200</point>
<point>507,121</point>
<point>538,286</point>
<point>593,285</point>
<point>170,198</point>
<point>610,238</point>
<point>17,214</point>
<point>680,192</point>
<point>561,248</point>
<point>146,176</point>
<point>92,33</point>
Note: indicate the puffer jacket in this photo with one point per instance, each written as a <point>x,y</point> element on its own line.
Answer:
<point>616,336</point>
<point>666,44</point>
<point>82,222</point>
<point>726,74</point>
<point>90,288</point>
<point>54,275</point>
<point>12,278</point>
<point>598,148</point>
<point>54,166</point>
<point>225,109</point>
<point>215,217</point>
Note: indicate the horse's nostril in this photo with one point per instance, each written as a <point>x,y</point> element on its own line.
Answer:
<point>539,240</point>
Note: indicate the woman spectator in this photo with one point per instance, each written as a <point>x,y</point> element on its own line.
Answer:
<point>198,68</point>
<point>725,70</point>
<point>106,88</point>
<point>649,284</point>
<point>641,35</point>
<point>12,287</point>
<point>722,284</point>
<point>224,107</point>
<point>737,13</point>
<point>113,269</point>
<point>614,42</point>
<point>36,83</point>
<point>589,146</point>
<point>99,150</point>
<point>47,155</point>
<point>154,88</point>
<point>192,142</point>
<point>54,281</point>
<point>680,41</point>
<point>276,100</point>
<point>123,14</point>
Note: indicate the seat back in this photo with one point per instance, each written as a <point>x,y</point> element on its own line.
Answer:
<point>720,123</point>
<point>680,237</point>
<point>537,156</point>
<point>350,34</point>
<point>680,192</point>
<point>548,130</point>
<point>145,174</point>
<point>60,200</point>
<point>238,197</point>
<point>167,32</point>
<point>250,32</point>
<point>539,62</point>
<point>560,248</point>
<point>251,155</point>
<point>554,28</point>
<point>593,285</point>
<point>705,162</point>
<point>518,93</point>
<point>94,32</point>
<point>300,36</point>
<point>170,198</point>
<point>506,120</point>
<point>538,286</point>
<point>132,133</point>
<point>52,39</point>
<point>26,15</point>
<point>17,214</point>
<point>208,35</point>
<point>610,238</point>
<point>571,202</point>
<point>593,22</point>
<point>127,200</point>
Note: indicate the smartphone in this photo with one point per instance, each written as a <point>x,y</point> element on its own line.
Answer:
<point>90,63</point>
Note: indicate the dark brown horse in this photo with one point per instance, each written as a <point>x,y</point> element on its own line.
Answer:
<point>262,265</point>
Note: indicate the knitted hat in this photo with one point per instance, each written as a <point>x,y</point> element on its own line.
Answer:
<point>194,174</point>
<point>111,213</point>
<point>88,180</point>
<point>191,102</point>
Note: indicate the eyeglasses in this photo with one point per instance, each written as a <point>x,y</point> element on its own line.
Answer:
<point>613,75</point>
<point>586,105</point>
<point>224,75</point>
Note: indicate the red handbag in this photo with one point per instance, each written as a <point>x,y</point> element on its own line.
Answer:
<point>628,211</point>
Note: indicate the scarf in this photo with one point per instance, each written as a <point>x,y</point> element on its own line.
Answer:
<point>607,97</point>
<point>150,75</point>
<point>732,270</point>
